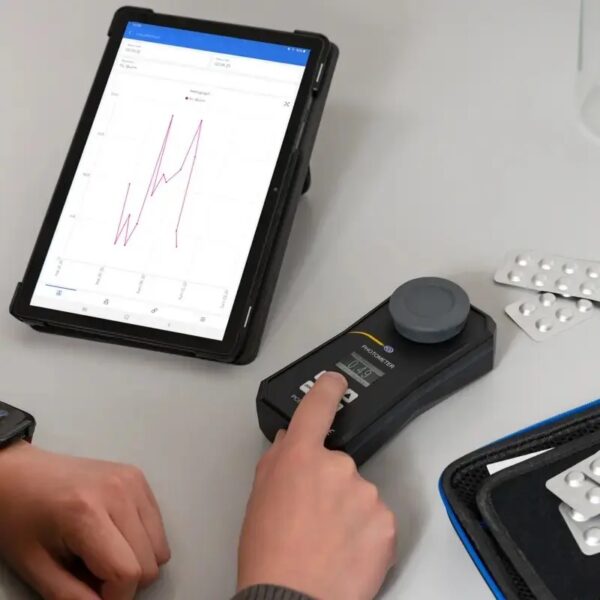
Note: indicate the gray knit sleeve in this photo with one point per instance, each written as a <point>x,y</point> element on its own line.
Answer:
<point>269,592</point>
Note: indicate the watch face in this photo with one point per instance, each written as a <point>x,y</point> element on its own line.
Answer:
<point>14,424</point>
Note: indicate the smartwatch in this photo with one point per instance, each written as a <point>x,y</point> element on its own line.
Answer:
<point>15,424</point>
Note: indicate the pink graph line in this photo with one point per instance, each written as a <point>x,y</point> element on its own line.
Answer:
<point>124,230</point>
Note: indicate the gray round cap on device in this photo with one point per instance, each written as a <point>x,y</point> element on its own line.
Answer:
<point>429,309</point>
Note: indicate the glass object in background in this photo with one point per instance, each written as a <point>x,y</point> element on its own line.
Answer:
<point>588,66</point>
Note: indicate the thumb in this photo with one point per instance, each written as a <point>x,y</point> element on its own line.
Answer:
<point>51,580</point>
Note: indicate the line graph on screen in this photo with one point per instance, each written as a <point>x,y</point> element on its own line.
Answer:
<point>127,226</point>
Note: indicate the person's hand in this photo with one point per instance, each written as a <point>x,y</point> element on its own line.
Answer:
<point>313,524</point>
<point>77,528</point>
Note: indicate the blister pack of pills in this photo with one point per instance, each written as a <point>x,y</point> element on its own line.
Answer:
<point>586,532</point>
<point>546,314</point>
<point>579,490</point>
<point>534,270</point>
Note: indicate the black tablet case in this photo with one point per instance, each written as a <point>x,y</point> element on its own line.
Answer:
<point>297,183</point>
<point>516,567</point>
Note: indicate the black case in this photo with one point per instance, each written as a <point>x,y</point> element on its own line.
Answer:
<point>466,487</point>
<point>297,182</point>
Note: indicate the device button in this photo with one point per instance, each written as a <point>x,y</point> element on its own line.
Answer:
<point>350,396</point>
<point>429,310</point>
<point>306,386</point>
<point>319,73</point>
<point>247,317</point>
<point>318,80</point>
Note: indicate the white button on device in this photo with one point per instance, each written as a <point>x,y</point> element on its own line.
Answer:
<point>306,387</point>
<point>349,396</point>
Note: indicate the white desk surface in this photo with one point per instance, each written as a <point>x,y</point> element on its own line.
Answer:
<point>450,137</point>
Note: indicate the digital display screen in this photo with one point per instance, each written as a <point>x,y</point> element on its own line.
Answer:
<point>359,369</point>
<point>161,213</point>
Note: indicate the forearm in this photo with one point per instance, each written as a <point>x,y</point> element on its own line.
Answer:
<point>269,592</point>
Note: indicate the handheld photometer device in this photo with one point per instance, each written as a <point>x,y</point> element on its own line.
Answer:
<point>423,343</point>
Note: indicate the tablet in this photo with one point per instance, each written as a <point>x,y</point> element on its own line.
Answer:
<point>170,196</point>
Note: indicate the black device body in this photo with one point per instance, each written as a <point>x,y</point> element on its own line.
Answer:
<point>15,424</point>
<point>400,378</point>
<point>291,179</point>
<point>510,523</point>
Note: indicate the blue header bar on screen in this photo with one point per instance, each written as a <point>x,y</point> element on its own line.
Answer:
<point>216,43</point>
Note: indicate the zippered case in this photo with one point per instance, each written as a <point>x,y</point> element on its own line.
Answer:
<point>524,550</point>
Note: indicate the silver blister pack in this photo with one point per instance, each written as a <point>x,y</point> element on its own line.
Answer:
<point>546,315</point>
<point>586,532</point>
<point>534,270</point>
<point>579,487</point>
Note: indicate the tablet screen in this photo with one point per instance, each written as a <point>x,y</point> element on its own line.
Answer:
<point>161,213</point>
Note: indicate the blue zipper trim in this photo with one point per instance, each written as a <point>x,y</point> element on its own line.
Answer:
<point>464,538</point>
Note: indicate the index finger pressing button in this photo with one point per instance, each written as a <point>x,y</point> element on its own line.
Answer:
<point>313,417</point>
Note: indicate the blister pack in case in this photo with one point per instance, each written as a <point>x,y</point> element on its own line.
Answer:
<point>579,487</point>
